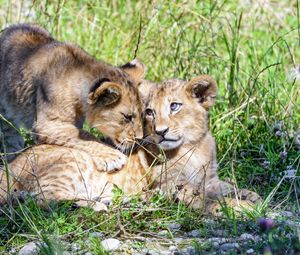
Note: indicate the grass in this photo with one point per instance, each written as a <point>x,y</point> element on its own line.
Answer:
<point>248,48</point>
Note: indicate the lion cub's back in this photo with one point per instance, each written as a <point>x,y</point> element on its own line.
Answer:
<point>18,44</point>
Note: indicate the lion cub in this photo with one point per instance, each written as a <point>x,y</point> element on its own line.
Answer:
<point>56,173</point>
<point>177,119</point>
<point>53,87</point>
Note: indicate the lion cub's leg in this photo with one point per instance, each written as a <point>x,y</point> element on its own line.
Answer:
<point>105,158</point>
<point>220,189</point>
<point>10,140</point>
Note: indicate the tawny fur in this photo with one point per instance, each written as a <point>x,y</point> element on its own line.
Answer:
<point>189,169</point>
<point>52,87</point>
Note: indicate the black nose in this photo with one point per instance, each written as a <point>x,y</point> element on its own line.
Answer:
<point>161,130</point>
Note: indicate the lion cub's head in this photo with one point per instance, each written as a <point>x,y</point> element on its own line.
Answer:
<point>176,111</point>
<point>116,110</point>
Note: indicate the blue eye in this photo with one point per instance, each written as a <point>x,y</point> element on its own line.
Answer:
<point>175,107</point>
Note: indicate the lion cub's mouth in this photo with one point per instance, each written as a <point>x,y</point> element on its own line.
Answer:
<point>170,144</point>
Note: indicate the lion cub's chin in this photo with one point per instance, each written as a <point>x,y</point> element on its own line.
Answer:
<point>170,144</point>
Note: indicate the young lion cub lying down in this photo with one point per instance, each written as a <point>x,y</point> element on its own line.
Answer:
<point>176,117</point>
<point>177,113</point>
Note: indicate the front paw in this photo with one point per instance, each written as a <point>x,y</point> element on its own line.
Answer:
<point>111,161</point>
<point>249,195</point>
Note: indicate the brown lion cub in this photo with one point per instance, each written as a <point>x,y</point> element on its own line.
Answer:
<point>177,114</point>
<point>53,87</point>
<point>56,173</point>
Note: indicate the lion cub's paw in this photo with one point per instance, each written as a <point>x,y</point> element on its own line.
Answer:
<point>111,162</point>
<point>249,195</point>
<point>95,205</point>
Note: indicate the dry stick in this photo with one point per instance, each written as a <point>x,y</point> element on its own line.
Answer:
<point>139,38</point>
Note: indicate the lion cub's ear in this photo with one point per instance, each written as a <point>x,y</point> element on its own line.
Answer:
<point>104,93</point>
<point>136,70</point>
<point>204,88</point>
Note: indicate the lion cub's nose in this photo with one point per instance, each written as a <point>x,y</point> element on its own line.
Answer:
<point>161,130</point>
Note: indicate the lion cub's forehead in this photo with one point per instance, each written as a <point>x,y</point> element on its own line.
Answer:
<point>168,90</point>
<point>132,100</point>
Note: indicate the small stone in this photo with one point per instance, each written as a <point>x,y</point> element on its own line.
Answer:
<point>287,214</point>
<point>190,251</point>
<point>218,240</point>
<point>174,226</point>
<point>194,233</point>
<point>31,248</point>
<point>111,244</point>
<point>97,234</point>
<point>75,247</point>
<point>215,244</point>
<point>292,223</point>
<point>221,232</point>
<point>172,248</point>
<point>12,251</point>
<point>250,252</point>
<point>165,253</point>
<point>145,251</point>
<point>246,237</point>
<point>151,252</point>
<point>163,233</point>
<point>178,239</point>
<point>229,246</point>
<point>179,253</point>
<point>209,222</point>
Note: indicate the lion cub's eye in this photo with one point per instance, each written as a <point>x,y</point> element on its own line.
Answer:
<point>127,117</point>
<point>175,107</point>
<point>149,112</point>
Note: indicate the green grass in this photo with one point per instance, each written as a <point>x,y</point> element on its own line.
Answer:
<point>248,48</point>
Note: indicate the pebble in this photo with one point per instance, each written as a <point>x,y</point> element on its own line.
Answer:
<point>145,250</point>
<point>163,233</point>
<point>172,248</point>
<point>97,234</point>
<point>250,252</point>
<point>246,237</point>
<point>287,214</point>
<point>111,244</point>
<point>31,248</point>
<point>151,252</point>
<point>165,253</point>
<point>194,233</point>
<point>178,239</point>
<point>229,246</point>
<point>292,223</point>
<point>221,232</point>
<point>75,247</point>
<point>174,226</point>
<point>218,240</point>
<point>190,251</point>
<point>215,244</point>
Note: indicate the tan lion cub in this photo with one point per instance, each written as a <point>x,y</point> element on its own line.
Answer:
<point>53,87</point>
<point>177,113</point>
